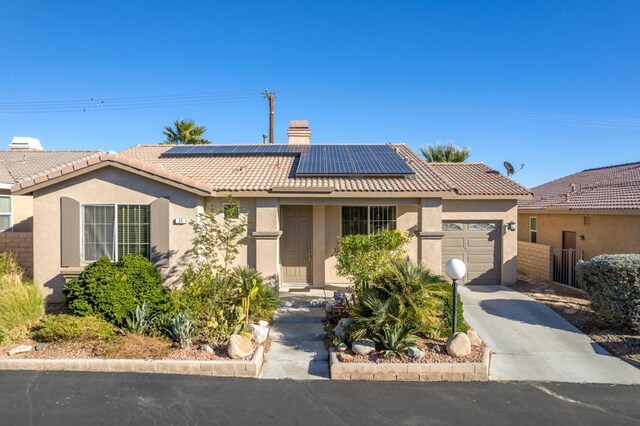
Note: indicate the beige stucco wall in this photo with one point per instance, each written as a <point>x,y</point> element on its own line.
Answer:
<point>503,211</point>
<point>108,186</point>
<point>606,233</point>
<point>21,210</point>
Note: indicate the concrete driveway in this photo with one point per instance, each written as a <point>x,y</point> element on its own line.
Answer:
<point>531,342</point>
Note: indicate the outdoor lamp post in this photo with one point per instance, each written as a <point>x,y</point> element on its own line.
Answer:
<point>455,269</point>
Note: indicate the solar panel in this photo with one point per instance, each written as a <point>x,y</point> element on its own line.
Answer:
<point>315,160</point>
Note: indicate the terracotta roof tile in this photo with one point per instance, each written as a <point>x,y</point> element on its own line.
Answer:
<point>612,187</point>
<point>16,166</point>
<point>262,173</point>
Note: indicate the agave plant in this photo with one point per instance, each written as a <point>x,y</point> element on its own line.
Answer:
<point>396,338</point>
<point>180,330</point>
<point>140,320</point>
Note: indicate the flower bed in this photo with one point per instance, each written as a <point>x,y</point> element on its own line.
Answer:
<point>411,371</point>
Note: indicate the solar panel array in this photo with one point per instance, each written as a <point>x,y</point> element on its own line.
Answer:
<point>315,160</point>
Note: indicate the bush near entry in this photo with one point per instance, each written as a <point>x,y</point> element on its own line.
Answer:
<point>63,327</point>
<point>613,284</point>
<point>112,290</point>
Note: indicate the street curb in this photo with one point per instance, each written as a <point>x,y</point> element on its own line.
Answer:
<point>240,368</point>
<point>414,372</point>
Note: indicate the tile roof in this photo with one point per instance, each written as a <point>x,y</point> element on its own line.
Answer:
<point>262,173</point>
<point>23,185</point>
<point>612,187</point>
<point>16,166</point>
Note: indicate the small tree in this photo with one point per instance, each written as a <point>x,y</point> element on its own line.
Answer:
<point>219,233</point>
<point>362,258</point>
<point>447,153</point>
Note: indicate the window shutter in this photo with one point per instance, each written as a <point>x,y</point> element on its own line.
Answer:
<point>160,232</point>
<point>69,232</point>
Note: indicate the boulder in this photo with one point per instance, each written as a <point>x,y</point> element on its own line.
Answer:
<point>40,347</point>
<point>206,348</point>
<point>258,333</point>
<point>342,347</point>
<point>338,331</point>
<point>263,323</point>
<point>458,345</point>
<point>239,347</point>
<point>474,338</point>
<point>415,352</point>
<point>20,349</point>
<point>363,347</point>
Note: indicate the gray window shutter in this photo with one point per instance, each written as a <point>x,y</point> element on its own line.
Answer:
<point>160,223</point>
<point>69,232</point>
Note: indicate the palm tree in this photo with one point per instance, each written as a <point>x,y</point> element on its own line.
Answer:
<point>185,132</point>
<point>447,153</point>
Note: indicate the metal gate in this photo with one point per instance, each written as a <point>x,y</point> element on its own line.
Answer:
<point>564,265</point>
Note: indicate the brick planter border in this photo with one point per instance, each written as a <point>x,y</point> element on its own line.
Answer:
<point>423,372</point>
<point>250,368</point>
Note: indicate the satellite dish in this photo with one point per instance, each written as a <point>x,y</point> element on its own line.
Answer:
<point>510,169</point>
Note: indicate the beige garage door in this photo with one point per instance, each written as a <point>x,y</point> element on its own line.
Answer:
<point>478,245</point>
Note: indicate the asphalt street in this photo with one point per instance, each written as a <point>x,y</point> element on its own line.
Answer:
<point>64,398</point>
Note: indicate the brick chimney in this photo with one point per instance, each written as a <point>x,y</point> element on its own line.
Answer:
<point>299,132</point>
<point>22,143</point>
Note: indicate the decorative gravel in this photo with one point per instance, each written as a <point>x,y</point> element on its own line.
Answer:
<point>435,352</point>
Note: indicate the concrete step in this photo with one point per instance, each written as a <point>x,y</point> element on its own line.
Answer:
<point>296,370</point>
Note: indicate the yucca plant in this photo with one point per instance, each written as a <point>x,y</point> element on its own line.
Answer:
<point>396,338</point>
<point>140,320</point>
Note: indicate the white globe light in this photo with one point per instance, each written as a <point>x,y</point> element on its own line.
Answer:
<point>455,269</point>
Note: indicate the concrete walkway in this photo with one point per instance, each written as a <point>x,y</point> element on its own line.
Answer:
<point>531,342</point>
<point>297,348</point>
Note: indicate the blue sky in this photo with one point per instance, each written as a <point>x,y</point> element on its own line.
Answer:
<point>553,84</point>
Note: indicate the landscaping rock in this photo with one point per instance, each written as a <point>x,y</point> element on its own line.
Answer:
<point>570,311</point>
<point>258,333</point>
<point>415,353</point>
<point>20,349</point>
<point>474,338</point>
<point>363,347</point>
<point>206,348</point>
<point>239,346</point>
<point>339,331</point>
<point>342,347</point>
<point>263,323</point>
<point>458,345</point>
<point>345,322</point>
<point>40,347</point>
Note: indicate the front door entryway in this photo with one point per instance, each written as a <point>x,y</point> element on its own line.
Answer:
<point>296,244</point>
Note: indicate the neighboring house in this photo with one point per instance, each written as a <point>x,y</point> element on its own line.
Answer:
<point>16,211</point>
<point>299,198</point>
<point>596,211</point>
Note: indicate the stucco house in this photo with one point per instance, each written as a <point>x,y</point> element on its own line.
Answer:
<point>595,211</point>
<point>299,198</point>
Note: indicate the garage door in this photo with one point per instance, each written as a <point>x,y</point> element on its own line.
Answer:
<point>477,244</point>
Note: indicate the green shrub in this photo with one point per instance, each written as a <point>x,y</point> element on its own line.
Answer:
<point>264,303</point>
<point>263,300</point>
<point>8,265</point>
<point>1,337</point>
<point>613,284</point>
<point>396,339</point>
<point>445,293</point>
<point>112,290</point>
<point>20,304</point>
<point>362,258</point>
<point>404,294</point>
<point>63,327</point>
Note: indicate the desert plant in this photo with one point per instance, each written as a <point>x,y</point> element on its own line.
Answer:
<point>371,312</point>
<point>613,284</point>
<point>112,290</point>
<point>20,304</point>
<point>395,338</point>
<point>180,330</point>
<point>247,279</point>
<point>63,327</point>
<point>140,320</point>
<point>362,258</point>
<point>185,132</point>
<point>10,271</point>
<point>264,303</point>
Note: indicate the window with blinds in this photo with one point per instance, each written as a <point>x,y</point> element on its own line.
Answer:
<point>115,231</point>
<point>5,213</point>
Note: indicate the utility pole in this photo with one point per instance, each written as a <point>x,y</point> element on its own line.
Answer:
<point>270,97</point>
